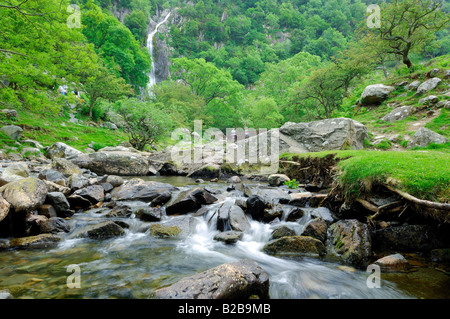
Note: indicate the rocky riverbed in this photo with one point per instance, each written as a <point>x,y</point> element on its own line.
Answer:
<point>152,237</point>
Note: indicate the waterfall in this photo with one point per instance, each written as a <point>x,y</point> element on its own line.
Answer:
<point>152,74</point>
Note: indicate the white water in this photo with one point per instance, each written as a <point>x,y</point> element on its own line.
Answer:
<point>152,74</point>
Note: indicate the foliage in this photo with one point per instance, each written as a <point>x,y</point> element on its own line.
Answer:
<point>292,184</point>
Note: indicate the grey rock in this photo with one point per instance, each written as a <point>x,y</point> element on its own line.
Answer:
<point>229,237</point>
<point>278,179</point>
<point>238,280</point>
<point>413,85</point>
<point>62,150</point>
<point>424,137</point>
<point>137,189</point>
<point>399,113</point>
<point>102,230</point>
<point>376,93</point>
<point>295,246</point>
<point>282,231</point>
<point>13,131</point>
<point>428,85</point>
<point>25,195</point>
<point>59,202</point>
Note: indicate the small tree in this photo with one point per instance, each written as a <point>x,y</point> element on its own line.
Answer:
<point>408,25</point>
<point>144,122</point>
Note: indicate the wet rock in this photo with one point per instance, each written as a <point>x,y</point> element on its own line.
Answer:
<point>317,228</point>
<point>33,224</point>
<point>376,93</point>
<point>93,194</point>
<point>59,202</point>
<point>238,219</point>
<point>204,197</point>
<point>229,237</point>
<point>137,189</point>
<point>351,240</point>
<point>164,231</point>
<point>238,280</point>
<point>393,263</point>
<point>5,294</point>
<point>271,195</point>
<point>62,150</point>
<point>406,238</point>
<point>47,210</point>
<point>255,207</point>
<point>185,202</point>
<point>294,214</point>
<point>38,242</point>
<point>179,227</point>
<point>78,202</point>
<point>324,213</point>
<point>275,211</point>
<point>149,214</point>
<point>25,195</point>
<point>282,231</point>
<point>234,180</point>
<point>278,179</point>
<point>122,211</point>
<point>295,246</point>
<point>102,230</point>
<point>54,225</point>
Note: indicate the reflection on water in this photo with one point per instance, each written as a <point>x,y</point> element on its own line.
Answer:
<point>134,265</point>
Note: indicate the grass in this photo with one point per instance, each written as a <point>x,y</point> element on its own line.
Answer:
<point>49,129</point>
<point>424,174</point>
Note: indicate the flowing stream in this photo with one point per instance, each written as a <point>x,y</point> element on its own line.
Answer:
<point>150,46</point>
<point>136,264</point>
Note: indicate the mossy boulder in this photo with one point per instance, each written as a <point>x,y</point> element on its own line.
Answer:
<point>295,246</point>
<point>164,231</point>
<point>25,195</point>
<point>103,230</point>
<point>38,241</point>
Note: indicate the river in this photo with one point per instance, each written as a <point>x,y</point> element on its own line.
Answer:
<point>134,265</point>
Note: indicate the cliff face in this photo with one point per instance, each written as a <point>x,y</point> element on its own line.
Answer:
<point>161,41</point>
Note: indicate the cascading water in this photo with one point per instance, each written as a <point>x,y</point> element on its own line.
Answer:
<point>150,46</point>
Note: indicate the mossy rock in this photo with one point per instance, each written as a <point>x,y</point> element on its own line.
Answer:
<point>295,246</point>
<point>161,231</point>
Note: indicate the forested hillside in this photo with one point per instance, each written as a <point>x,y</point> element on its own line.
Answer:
<point>232,63</point>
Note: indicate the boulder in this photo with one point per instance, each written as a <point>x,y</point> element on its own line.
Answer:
<point>78,181</point>
<point>237,218</point>
<point>237,280</point>
<point>329,134</point>
<point>179,227</point>
<point>33,224</point>
<point>282,231</point>
<point>39,242</point>
<point>295,246</point>
<point>207,171</point>
<point>376,93</point>
<point>25,195</point>
<point>149,214</point>
<point>66,167</point>
<point>429,100</point>
<point>406,238</point>
<point>53,176</point>
<point>273,212</point>
<point>54,225</point>
<point>62,150</point>
<point>185,202</point>
<point>9,113</point>
<point>4,208</point>
<point>229,237</point>
<point>137,189</point>
<point>14,172</point>
<point>255,207</point>
<point>59,202</point>
<point>121,163</point>
<point>93,193</point>
<point>47,211</point>
<point>316,228</point>
<point>428,85</point>
<point>234,180</point>
<point>324,213</point>
<point>393,263</point>
<point>102,230</point>
<point>114,180</point>
<point>277,179</point>
<point>351,240</point>
<point>424,137</point>
<point>398,114</point>
<point>294,213</point>
<point>412,86</point>
<point>13,131</point>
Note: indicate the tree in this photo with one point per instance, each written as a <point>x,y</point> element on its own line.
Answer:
<point>408,25</point>
<point>145,123</point>
<point>136,21</point>
<point>106,85</point>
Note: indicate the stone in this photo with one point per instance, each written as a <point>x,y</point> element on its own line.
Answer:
<point>229,237</point>
<point>413,85</point>
<point>294,214</point>
<point>282,231</point>
<point>429,100</point>
<point>277,179</point>
<point>238,219</point>
<point>324,135</point>
<point>102,230</point>
<point>78,202</point>
<point>237,280</point>
<point>184,203</point>
<point>376,93</point>
<point>324,213</point>
<point>393,263</point>
<point>10,113</point>
<point>38,242</point>
<point>398,114</point>
<point>54,225</point>
<point>234,180</point>
<point>93,193</point>
<point>62,150</point>
<point>13,131</point>
<point>59,202</point>
<point>149,214</point>
<point>78,181</point>
<point>52,175</point>
<point>273,212</point>
<point>122,211</point>
<point>428,85</point>
<point>350,239</point>
<point>14,172</point>
<point>440,255</point>
<point>33,224</point>
<point>207,171</point>
<point>115,181</point>
<point>425,137</point>
<point>25,195</point>
<point>178,227</point>
<point>406,238</point>
<point>137,189</point>
<point>114,162</point>
<point>255,207</point>
<point>295,246</point>
<point>316,228</point>
<point>66,167</point>
<point>164,231</point>
<point>47,211</point>
<point>433,72</point>
<point>4,208</point>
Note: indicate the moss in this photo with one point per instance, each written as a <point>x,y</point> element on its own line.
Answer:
<point>161,231</point>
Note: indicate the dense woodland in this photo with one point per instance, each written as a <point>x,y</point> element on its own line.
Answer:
<point>255,63</point>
